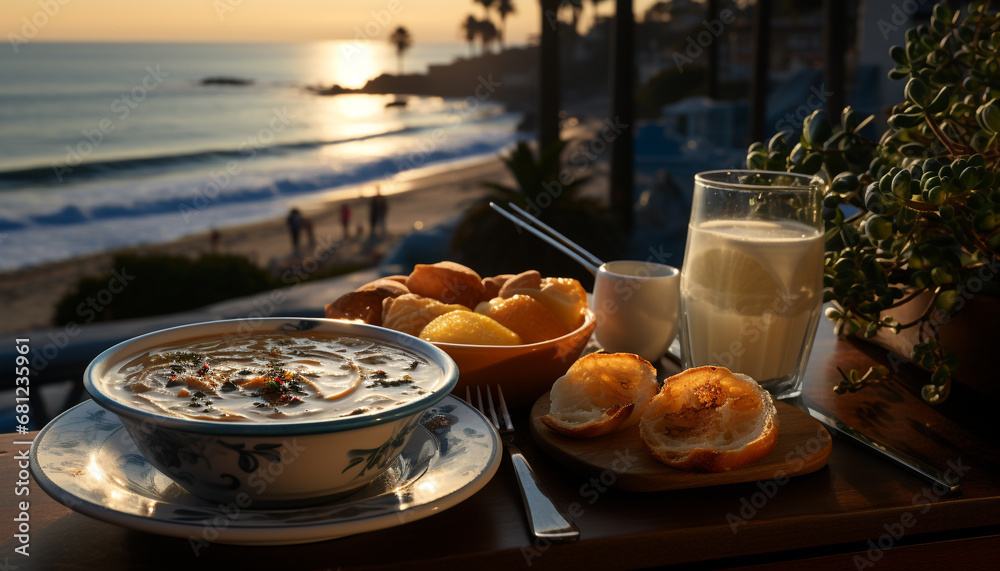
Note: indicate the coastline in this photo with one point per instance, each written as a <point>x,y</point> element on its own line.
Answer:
<point>418,199</point>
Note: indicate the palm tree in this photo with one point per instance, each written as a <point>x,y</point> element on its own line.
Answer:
<point>549,84</point>
<point>596,4</point>
<point>487,4</point>
<point>504,8</point>
<point>576,9</point>
<point>402,39</point>
<point>487,34</point>
<point>471,28</point>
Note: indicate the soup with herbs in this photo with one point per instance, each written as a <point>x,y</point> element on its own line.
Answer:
<point>271,377</point>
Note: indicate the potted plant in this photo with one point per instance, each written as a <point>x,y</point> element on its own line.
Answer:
<point>913,221</point>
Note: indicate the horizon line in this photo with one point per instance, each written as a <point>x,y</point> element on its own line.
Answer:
<point>206,41</point>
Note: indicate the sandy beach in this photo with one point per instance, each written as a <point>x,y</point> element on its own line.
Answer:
<point>418,200</point>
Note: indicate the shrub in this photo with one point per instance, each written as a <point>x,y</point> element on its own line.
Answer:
<point>155,284</point>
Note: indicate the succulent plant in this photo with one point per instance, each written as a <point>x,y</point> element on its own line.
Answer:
<point>919,211</point>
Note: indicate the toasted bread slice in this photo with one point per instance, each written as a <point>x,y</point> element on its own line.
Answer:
<point>601,393</point>
<point>708,419</point>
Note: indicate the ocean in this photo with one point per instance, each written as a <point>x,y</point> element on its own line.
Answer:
<point>111,145</point>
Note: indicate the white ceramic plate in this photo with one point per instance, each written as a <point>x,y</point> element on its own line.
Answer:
<point>86,461</point>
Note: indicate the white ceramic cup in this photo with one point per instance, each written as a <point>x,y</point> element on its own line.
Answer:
<point>636,305</point>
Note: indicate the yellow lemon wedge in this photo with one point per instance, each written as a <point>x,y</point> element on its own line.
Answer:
<point>469,328</point>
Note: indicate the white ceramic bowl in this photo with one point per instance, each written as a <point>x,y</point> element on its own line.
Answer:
<point>270,464</point>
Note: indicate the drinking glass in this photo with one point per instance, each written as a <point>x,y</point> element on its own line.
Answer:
<point>751,286</point>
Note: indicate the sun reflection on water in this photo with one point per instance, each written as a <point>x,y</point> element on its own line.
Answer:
<point>350,64</point>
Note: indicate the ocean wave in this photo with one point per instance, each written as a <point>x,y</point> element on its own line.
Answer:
<point>61,173</point>
<point>188,197</point>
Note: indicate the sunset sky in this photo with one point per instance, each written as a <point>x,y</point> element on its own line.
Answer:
<point>432,21</point>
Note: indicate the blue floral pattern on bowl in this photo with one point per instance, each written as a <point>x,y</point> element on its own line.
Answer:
<point>272,464</point>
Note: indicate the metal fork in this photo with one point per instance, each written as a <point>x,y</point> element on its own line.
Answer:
<point>543,517</point>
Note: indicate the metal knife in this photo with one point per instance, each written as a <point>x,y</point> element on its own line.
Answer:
<point>916,466</point>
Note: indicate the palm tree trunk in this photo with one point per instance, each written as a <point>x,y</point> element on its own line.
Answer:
<point>623,113</point>
<point>713,52</point>
<point>761,65</point>
<point>548,108</point>
<point>834,51</point>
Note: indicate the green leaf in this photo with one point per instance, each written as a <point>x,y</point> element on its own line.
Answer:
<point>849,118</point>
<point>942,12</point>
<point>940,376</point>
<point>941,276</point>
<point>844,182</point>
<point>913,150</point>
<point>898,55</point>
<point>988,116</point>
<point>982,140</point>
<point>878,228</point>
<point>757,161</point>
<point>941,100</point>
<point>901,184</point>
<point>778,143</point>
<point>816,128</point>
<point>969,178</point>
<point>917,92</point>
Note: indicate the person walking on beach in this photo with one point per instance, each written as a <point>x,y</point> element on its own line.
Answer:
<point>214,237</point>
<point>373,211</point>
<point>295,223</point>
<point>345,218</point>
<point>383,211</point>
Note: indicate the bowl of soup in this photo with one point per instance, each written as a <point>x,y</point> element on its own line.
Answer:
<point>272,412</point>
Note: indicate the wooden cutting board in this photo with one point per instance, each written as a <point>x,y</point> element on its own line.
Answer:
<point>803,446</point>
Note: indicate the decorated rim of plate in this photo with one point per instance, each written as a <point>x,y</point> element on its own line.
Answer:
<point>468,452</point>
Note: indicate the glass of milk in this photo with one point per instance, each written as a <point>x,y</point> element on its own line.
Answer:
<point>751,286</point>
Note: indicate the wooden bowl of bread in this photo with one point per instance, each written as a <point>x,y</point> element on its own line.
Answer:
<point>521,332</point>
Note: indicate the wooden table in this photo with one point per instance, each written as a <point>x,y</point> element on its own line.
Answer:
<point>858,512</point>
